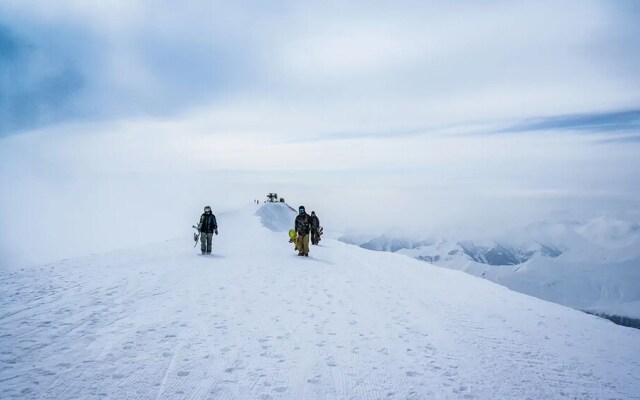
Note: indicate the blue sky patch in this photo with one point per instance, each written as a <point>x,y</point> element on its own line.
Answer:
<point>595,122</point>
<point>36,85</point>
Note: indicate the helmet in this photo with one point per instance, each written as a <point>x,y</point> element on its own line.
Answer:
<point>301,209</point>
<point>207,209</point>
<point>313,213</point>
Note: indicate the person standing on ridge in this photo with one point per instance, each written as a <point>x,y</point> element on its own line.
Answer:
<point>303,228</point>
<point>315,225</point>
<point>207,227</point>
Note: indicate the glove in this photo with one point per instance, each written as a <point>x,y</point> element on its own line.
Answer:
<point>216,231</point>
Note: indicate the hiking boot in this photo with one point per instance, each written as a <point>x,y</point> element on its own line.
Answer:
<point>300,254</point>
<point>306,254</point>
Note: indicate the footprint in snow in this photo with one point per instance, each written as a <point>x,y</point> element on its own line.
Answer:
<point>183,373</point>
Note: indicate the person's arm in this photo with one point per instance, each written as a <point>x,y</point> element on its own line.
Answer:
<point>215,225</point>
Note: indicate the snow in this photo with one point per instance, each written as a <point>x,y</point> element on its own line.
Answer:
<point>254,321</point>
<point>592,266</point>
<point>278,217</point>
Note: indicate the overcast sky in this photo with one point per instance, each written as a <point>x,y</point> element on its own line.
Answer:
<point>119,120</point>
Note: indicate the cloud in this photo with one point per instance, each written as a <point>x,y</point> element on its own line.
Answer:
<point>366,66</point>
<point>129,60</point>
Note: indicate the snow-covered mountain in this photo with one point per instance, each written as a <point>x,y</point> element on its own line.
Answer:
<point>593,266</point>
<point>254,321</point>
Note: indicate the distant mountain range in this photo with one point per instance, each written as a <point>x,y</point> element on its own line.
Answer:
<point>592,265</point>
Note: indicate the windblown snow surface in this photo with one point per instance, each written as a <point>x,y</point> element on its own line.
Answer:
<point>254,321</point>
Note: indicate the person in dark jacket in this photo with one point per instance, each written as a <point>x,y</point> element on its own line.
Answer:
<point>303,228</point>
<point>315,225</point>
<point>207,227</point>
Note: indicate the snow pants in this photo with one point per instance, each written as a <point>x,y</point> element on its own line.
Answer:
<point>303,244</point>
<point>205,242</point>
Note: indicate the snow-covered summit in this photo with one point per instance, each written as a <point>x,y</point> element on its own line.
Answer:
<point>254,321</point>
<point>278,217</point>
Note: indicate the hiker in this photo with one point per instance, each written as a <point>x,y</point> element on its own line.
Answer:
<point>315,226</point>
<point>303,228</point>
<point>207,227</point>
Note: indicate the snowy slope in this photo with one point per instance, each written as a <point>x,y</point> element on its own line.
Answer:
<point>254,321</point>
<point>593,266</point>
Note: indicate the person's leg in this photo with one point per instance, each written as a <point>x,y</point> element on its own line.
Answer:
<point>203,242</point>
<point>209,239</point>
<point>299,245</point>
<point>305,242</point>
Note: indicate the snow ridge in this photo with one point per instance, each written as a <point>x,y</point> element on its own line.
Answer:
<point>278,217</point>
